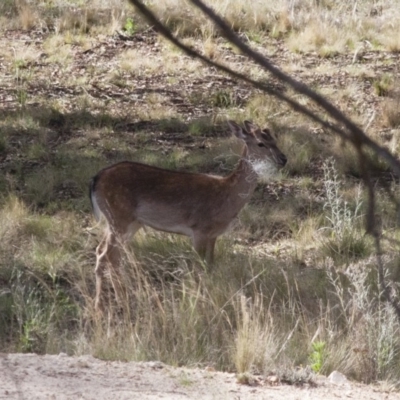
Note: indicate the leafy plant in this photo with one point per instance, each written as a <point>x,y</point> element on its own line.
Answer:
<point>130,27</point>
<point>317,356</point>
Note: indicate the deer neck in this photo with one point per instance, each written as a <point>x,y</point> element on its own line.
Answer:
<point>243,180</point>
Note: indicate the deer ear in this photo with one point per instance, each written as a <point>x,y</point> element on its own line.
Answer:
<point>267,135</point>
<point>237,130</point>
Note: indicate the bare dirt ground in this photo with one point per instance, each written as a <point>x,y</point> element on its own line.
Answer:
<point>30,376</point>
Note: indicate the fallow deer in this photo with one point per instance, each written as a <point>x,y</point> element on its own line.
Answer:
<point>131,195</point>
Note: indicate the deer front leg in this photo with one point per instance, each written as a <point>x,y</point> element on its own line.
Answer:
<point>204,246</point>
<point>210,246</point>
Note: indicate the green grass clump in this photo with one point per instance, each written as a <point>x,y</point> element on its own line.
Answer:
<point>383,85</point>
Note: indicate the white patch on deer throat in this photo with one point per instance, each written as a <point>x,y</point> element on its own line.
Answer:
<point>263,169</point>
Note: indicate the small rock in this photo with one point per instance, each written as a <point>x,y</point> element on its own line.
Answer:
<point>155,364</point>
<point>337,378</point>
<point>82,364</point>
<point>272,379</point>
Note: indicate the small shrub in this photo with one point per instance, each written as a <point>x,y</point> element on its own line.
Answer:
<point>317,356</point>
<point>343,239</point>
<point>130,27</point>
<point>223,99</point>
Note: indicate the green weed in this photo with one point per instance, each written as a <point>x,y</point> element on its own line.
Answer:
<point>317,356</point>
<point>130,27</point>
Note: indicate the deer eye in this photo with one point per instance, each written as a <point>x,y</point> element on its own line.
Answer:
<point>260,144</point>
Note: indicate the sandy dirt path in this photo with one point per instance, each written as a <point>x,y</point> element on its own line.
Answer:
<point>30,376</point>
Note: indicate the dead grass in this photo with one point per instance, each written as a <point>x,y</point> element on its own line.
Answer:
<point>28,17</point>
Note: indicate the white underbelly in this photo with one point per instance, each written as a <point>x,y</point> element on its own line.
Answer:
<point>172,228</point>
<point>167,220</point>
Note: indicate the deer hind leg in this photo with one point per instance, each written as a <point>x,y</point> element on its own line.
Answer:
<point>100,271</point>
<point>115,243</point>
<point>109,258</point>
